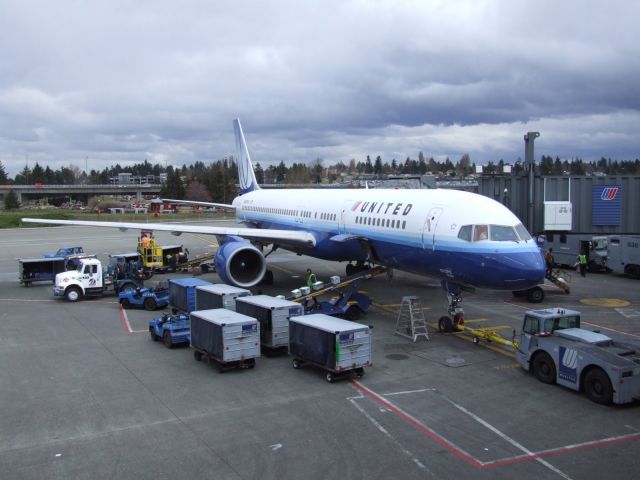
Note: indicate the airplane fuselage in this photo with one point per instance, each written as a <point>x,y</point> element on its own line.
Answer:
<point>418,231</point>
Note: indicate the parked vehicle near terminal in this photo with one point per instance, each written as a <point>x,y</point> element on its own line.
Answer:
<point>623,254</point>
<point>556,350</point>
<point>171,329</point>
<point>89,279</point>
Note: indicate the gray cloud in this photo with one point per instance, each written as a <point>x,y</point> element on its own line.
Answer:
<point>121,81</point>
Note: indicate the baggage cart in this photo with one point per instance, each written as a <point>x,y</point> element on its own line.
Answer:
<point>219,296</point>
<point>229,338</point>
<point>339,347</point>
<point>273,314</point>
<point>182,293</point>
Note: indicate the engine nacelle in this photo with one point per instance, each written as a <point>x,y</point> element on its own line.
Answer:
<point>239,263</point>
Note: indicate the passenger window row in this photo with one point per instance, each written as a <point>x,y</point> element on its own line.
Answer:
<point>382,222</point>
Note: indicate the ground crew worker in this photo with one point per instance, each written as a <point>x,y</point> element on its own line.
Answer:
<point>549,260</point>
<point>582,264</point>
<point>167,259</point>
<point>311,278</point>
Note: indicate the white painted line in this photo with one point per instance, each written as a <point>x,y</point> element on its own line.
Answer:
<point>386,433</point>
<point>408,392</point>
<point>507,438</point>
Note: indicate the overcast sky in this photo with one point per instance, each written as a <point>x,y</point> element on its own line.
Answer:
<point>118,81</point>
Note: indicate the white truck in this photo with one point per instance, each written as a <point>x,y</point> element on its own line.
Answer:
<point>88,279</point>
<point>623,254</point>
<point>555,348</point>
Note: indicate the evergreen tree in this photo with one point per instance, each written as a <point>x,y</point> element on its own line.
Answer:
<point>11,200</point>
<point>4,179</point>
<point>173,187</point>
<point>259,173</point>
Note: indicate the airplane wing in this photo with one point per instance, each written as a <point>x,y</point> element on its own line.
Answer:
<point>283,237</point>
<point>202,204</point>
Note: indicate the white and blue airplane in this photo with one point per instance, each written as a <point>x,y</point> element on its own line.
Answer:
<point>464,239</point>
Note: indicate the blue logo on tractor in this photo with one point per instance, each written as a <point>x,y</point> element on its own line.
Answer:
<point>568,365</point>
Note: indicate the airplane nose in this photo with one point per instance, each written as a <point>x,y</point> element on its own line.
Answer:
<point>521,270</point>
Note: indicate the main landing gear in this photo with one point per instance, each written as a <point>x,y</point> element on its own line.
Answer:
<point>455,320</point>
<point>357,268</point>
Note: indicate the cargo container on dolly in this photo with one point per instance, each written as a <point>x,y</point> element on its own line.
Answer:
<point>273,314</point>
<point>229,338</point>
<point>219,295</point>
<point>339,347</point>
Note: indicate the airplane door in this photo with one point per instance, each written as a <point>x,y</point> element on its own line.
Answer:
<point>343,215</point>
<point>429,228</point>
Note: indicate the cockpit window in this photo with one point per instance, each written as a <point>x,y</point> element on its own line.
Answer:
<point>500,233</point>
<point>465,233</point>
<point>480,232</point>
<point>522,232</point>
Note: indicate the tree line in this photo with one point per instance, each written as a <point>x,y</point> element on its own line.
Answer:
<point>217,181</point>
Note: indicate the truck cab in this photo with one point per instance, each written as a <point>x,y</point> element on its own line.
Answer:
<point>556,350</point>
<point>88,279</point>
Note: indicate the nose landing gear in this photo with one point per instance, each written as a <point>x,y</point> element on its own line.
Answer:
<point>455,320</point>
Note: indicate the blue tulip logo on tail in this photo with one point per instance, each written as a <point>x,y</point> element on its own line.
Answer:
<point>246,177</point>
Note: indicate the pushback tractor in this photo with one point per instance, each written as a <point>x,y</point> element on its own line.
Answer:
<point>556,350</point>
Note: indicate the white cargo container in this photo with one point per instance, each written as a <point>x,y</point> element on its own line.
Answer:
<point>219,296</point>
<point>228,337</point>
<point>273,314</point>
<point>340,347</point>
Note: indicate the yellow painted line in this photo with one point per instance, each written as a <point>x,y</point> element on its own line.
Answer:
<point>605,302</point>
<point>507,367</point>
<point>282,269</point>
<point>475,320</point>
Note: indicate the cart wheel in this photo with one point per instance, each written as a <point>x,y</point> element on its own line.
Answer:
<point>197,355</point>
<point>296,363</point>
<point>352,313</point>
<point>359,372</point>
<point>476,340</point>
<point>153,335</point>
<point>221,368</point>
<point>166,339</point>
<point>150,304</point>
<point>330,378</point>
<point>250,363</point>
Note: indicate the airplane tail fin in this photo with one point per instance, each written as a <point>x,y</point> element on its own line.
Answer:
<point>246,175</point>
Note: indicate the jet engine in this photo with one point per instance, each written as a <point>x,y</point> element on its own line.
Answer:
<point>239,263</point>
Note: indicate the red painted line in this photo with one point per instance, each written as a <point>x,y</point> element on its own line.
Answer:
<point>493,463</point>
<point>563,450</point>
<point>123,320</point>
<point>420,426</point>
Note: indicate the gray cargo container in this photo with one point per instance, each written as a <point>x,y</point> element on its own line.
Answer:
<point>219,296</point>
<point>229,338</point>
<point>340,347</point>
<point>273,314</point>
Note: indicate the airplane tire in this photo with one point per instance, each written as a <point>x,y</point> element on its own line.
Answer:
<point>445,325</point>
<point>543,368</point>
<point>598,387</point>
<point>535,295</point>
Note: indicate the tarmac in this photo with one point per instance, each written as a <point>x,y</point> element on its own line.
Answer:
<point>85,393</point>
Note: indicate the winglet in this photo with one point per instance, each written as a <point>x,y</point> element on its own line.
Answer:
<point>246,176</point>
